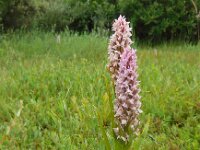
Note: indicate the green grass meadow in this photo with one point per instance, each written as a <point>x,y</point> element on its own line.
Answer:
<point>58,95</point>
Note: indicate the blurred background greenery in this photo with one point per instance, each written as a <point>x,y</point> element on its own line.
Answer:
<point>153,21</point>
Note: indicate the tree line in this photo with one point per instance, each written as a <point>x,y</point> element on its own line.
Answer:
<point>151,20</point>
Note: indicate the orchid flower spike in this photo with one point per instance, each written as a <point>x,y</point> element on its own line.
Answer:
<point>127,103</point>
<point>119,41</point>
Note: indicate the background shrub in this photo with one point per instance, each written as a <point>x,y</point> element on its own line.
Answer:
<point>157,20</point>
<point>16,13</point>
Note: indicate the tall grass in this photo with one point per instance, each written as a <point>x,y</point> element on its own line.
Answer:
<point>57,96</point>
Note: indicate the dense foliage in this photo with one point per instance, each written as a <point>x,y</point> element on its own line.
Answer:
<point>152,20</point>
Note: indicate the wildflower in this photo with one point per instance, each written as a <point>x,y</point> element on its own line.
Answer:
<point>118,42</point>
<point>127,103</point>
<point>58,38</point>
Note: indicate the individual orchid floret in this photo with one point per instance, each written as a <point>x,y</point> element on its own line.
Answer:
<point>118,42</point>
<point>127,103</point>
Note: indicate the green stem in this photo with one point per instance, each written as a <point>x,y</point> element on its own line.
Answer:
<point>105,137</point>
